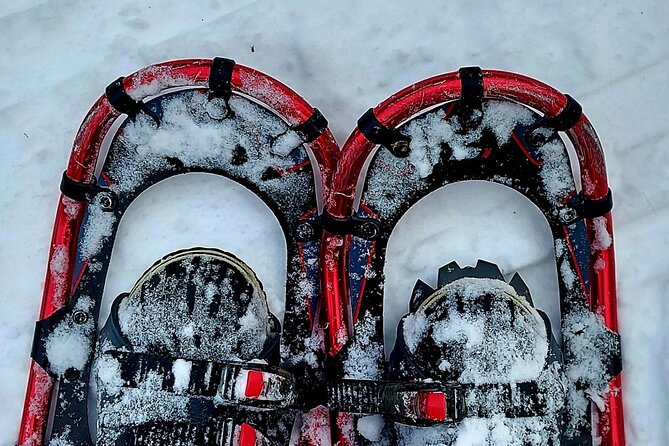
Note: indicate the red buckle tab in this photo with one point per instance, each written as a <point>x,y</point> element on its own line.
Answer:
<point>254,384</point>
<point>432,405</point>
<point>247,435</point>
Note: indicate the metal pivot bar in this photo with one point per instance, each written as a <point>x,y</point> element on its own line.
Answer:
<point>362,227</point>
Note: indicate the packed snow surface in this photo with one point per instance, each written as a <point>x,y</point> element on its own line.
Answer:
<point>345,57</point>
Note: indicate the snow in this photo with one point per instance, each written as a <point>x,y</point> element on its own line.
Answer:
<point>495,346</point>
<point>344,57</point>
<point>371,427</point>
<point>67,347</point>
<point>181,371</point>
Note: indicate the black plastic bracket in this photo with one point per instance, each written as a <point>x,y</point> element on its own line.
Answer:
<point>88,192</point>
<point>593,208</point>
<point>43,328</point>
<point>564,120</point>
<point>366,228</point>
<point>312,128</point>
<point>470,105</point>
<point>377,133</point>
<point>122,102</point>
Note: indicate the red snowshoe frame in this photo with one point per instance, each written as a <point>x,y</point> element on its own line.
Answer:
<point>339,179</point>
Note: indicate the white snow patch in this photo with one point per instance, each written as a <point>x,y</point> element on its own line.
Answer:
<point>362,360</point>
<point>97,228</point>
<point>68,345</point>
<point>181,371</point>
<point>602,240</point>
<point>371,427</point>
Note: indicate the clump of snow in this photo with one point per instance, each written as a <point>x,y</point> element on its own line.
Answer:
<point>181,371</point>
<point>108,373</point>
<point>285,143</point>
<point>58,268</point>
<point>188,132</point>
<point>68,346</point>
<point>602,240</point>
<point>70,206</point>
<point>96,229</point>
<point>363,359</point>
<point>431,132</point>
<point>371,427</point>
<point>435,139</point>
<point>506,343</point>
<point>567,273</point>
<point>556,173</point>
<point>589,348</point>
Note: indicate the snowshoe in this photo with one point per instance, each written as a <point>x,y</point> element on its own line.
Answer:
<point>211,116</point>
<point>491,126</point>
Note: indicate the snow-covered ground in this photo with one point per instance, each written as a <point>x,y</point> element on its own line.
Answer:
<point>343,57</point>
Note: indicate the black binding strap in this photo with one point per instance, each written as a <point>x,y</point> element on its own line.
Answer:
<point>593,208</point>
<point>86,191</point>
<point>566,119</point>
<point>377,133</point>
<point>470,105</point>
<point>220,78</point>
<point>122,102</point>
<point>312,128</point>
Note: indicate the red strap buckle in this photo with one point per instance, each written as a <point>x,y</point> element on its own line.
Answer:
<point>254,384</point>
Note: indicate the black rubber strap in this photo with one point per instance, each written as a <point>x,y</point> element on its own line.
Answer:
<point>122,102</point>
<point>220,77</point>
<point>594,208</point>
<point>470,106</point>
<point>377,133</point>
<point>312,128</point>
<point>83,191</point>
<point>567,117</point>
<point>564,120</point>
<point>356,396</point>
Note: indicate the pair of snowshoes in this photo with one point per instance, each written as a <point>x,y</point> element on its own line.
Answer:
<point>192,354</point>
